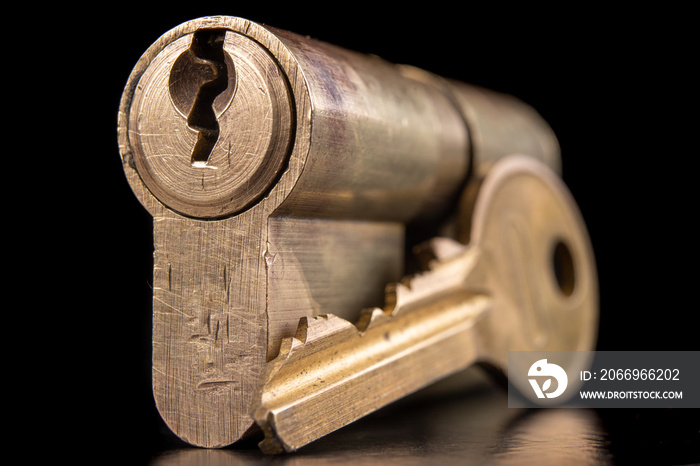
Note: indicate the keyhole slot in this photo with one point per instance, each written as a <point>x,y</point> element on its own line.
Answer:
<point>200,75</point>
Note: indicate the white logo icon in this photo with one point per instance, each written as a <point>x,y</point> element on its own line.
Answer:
<point>542,368</point>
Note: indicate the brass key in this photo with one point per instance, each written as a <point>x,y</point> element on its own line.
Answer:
<point>525,282</point>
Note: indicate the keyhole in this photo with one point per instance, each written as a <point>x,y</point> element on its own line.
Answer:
<point>200,77</point>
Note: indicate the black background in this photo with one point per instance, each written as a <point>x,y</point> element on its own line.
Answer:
<point>615,85</point>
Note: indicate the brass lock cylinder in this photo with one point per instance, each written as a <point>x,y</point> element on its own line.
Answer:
<point>281,173</point>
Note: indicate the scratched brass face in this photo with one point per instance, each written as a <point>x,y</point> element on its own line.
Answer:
<point>210,123</point>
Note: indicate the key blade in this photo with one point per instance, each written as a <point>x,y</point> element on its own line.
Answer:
<point>316,392</point>
<point>341,374</point>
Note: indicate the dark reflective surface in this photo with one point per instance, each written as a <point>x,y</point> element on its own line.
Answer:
<point>472,425</point>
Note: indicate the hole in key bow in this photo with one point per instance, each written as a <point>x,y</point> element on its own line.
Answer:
<point>563,264</point>
<point>200,81</point>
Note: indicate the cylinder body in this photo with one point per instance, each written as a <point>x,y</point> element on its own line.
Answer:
<point>383,146</point>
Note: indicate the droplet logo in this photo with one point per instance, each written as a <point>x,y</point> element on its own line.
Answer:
<point>541,369</point>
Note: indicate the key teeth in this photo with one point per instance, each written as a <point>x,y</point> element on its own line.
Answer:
<point>370,318</point>
<point>394,293</point>
<point>312,330</point>
<point>435,254</point>
<point>437,249</point>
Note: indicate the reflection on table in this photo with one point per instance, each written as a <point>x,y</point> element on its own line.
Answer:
<point>463,421</point>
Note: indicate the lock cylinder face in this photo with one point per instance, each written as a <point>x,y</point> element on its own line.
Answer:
<point>210,123</point>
